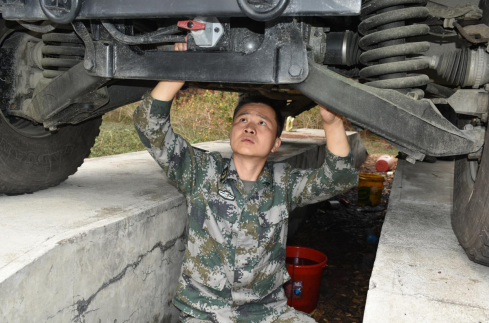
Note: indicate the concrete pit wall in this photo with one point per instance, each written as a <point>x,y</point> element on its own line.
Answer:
<point>105,246</point>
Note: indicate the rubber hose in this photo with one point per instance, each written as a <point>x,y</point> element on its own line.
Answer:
<point>64,19</point>
<point>271,14</point>
<point>162,35</point>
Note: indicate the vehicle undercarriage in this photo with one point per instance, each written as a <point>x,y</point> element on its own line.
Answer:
<point>415,72</point>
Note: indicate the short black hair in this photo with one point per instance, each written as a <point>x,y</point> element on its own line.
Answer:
<point>260,99</point>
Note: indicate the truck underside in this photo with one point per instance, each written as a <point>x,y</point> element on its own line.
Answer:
<point>412,71</point>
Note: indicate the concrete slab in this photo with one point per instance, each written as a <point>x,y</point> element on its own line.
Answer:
<point>106,245</point>
<point>409,308</point>
<point>424,183</point>
<point>421,273</point>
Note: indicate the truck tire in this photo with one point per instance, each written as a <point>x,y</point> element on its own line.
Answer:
<point>33,159</point>
<point>470,217</point>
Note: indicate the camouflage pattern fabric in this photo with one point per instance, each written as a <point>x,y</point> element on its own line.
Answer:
<point>234,263</point>
<point>289,316</point>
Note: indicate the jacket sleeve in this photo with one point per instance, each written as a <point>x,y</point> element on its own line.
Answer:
<point>336,175</point>
<point>173,153</point>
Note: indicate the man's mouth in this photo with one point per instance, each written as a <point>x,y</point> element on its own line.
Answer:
<point>248,140</point>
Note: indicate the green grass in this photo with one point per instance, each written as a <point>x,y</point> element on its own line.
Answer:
<point>377,145</point>
<point>116,138</point>
<point>201,115</point>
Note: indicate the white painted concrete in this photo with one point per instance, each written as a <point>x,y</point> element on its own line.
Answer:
<point>105,245</point>
<point>421,273</point>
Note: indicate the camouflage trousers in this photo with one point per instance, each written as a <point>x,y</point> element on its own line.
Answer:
<point>289,316</point>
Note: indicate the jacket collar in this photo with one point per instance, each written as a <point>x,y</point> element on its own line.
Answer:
<point>229,172</point>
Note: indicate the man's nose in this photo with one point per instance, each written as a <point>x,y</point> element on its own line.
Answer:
<point>249,130</point>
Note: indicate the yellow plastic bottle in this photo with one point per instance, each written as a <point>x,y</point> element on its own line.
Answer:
<point>370,188</point>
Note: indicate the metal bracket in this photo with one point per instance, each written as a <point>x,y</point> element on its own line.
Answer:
<point>72,87</point>
<point>211,33</point>
<point>412,156</point>
<point>281,59</point>
<point>415,126</point>
<point>470,102</point>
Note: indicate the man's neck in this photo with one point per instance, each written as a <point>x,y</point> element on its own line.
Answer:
<point>249,168</point>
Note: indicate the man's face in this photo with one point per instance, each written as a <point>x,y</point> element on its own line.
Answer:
<point>254,131</point>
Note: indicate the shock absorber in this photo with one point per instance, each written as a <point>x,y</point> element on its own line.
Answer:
<point>384,33</point>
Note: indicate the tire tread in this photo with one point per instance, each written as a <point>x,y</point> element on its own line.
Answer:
<point>11,189</point>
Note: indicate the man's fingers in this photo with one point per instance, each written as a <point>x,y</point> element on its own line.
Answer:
<point>323,107</point>
<point>180,46</point>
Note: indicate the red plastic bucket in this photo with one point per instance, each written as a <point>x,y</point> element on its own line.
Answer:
<point>305,267</point>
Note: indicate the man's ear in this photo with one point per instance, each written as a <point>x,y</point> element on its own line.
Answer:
<point>277,144</point>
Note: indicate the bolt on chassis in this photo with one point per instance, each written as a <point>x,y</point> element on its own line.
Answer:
<point>415,72</point>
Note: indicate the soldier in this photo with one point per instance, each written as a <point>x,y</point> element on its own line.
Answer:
<point>238,207</point>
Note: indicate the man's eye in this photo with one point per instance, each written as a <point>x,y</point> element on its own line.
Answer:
<point>243,120</point>
<point>263,123</point>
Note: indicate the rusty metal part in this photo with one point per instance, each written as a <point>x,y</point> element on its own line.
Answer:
<point>468,37</point>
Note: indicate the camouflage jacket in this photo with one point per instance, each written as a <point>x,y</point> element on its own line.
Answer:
<point>235,253</point>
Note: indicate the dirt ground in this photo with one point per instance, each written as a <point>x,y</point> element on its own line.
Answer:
<point>340,231</point>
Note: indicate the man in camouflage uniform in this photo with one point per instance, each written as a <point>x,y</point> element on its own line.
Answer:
<point>234,263</point>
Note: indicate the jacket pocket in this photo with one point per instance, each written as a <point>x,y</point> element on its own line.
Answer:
<point>273,229</point>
